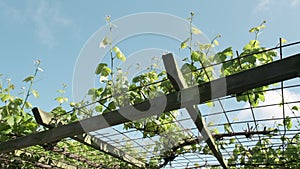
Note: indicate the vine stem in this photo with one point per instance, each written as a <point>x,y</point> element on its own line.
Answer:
<point>31,83</point>
<point>211,45</point>
<point>111,54</point>
<point>111,48</point>
<point>190,48</point>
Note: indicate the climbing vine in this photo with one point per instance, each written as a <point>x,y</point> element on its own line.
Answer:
<point>116,91</point>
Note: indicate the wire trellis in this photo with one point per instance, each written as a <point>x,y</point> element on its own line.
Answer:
<point>247,124</point>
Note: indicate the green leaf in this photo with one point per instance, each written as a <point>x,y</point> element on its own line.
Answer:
<point>195,56</point>
<point>10,120</point>
<point>7,131</point>
<point>107,18</point>
<point>184,43</point>
<point>18,119</point>
<point>258,28</point>
<point>261,27</point>
<point>283,41</point>
<point>210,123</point>
<point>116,49</point>
<point>119,54</point>
<point>288,122</point>
<point>215,42</point>
<point>105,71</point>
<point>72,104</point>
<point>210,103</point>
<point>18,101</point>
<point>232,140</point>
<point>65,99</point>
<point>28,79</point>
<point>228,51</point>
<point>61,91</point>
<point>5,97</point>
<point>295,108</point>
<point>35,93</point>
<point>215,130</point>
<point>206,149</point>
<point>98,108</point>
<point>227,127</point>
<point>92,91</point>
<point>37,61</point>
<point>111,106</point>
<point>11,86</point>
<point>253,44</point>
<point>251,59</point>
<point>235,119</point>
<point>222,56</point>
<point>100,67</point>
<point>204,46</point>
<point>28,105</point>
<point>261,97</point>
<point>196,31</point>
<point>40,69</point>
<point>255,29</point>
<point>104,42</point>
<point>60,100</point>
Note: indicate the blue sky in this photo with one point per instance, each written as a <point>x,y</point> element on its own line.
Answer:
<point>55,31</point>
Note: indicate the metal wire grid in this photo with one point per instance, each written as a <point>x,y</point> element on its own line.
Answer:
<point>119,138</point>
<point>264,118</point>
<point>133,142</point>
<point>229,109</point>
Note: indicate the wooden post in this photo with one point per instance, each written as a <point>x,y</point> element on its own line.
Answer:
<point>177,80</point>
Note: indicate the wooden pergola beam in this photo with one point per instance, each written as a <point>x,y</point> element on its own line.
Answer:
<point>43,118</point>
<point>277,71</point>
<point>179,83</point>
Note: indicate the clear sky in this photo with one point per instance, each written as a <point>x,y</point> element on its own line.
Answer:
<point>55,31</point>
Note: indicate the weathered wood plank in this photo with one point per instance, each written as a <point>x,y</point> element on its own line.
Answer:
<point>179,83</point>
<point>277,71</point>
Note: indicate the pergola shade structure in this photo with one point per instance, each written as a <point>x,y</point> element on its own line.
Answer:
<point>107,134</point>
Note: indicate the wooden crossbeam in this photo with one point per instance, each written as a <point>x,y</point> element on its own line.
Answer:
<point>177,80</point>
<point>43,118</point>
<point>277,71</point>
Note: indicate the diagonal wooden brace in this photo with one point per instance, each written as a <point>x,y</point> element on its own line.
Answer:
<point>177,80</point>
